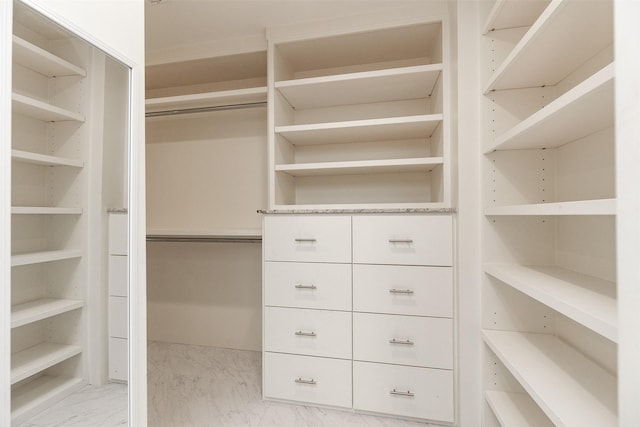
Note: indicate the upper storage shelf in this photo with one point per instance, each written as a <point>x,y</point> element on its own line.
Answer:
<point>361,88</point>
<point>44,159</point>
<point>513,13</point>
<point>42,61</point>
<point>41,110</point>
<point>208,99</point>
<point>552,40</point>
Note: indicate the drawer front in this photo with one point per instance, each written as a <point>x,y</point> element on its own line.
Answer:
<point>411,290</point>
<point>118,277</point>
<point>408,239</point>
<point>118,317</point>
<point>309,332</point>
<point>403,340</point>
<point>118,351</point>
<point>307,285</point>
<point>118,235</point>
<point>402,390</point>
<point>307,379</point>
<point>307,238</point>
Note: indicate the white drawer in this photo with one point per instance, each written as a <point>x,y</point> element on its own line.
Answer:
<point>307,285</point>
<point>402,390</point>
<point>408,239</point>
<point>118,359</point>
<point>118,277</point>
<point>118,317</point>
<point>307,238</point>
<point>403,340</point>
<point>118,234</point>
<point>307,379</point>
<point>310,332</point>
<point>411,290</point>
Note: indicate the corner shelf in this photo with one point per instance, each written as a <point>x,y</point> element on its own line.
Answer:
<point>510,14</point>
<point>361,88</point>
<point>44,256</point>
<point>408,127</point>
<point>44,159</point>
<point>39,394</point>
<point>552,40</point>
<point>580,207</point>
<point>38,358</point>
<point>425,164</point>
<point>41,61</point>
<point>44,210</point>
<point>571,389</point>
<point>587,300</point>
<point>40,110</point>
<point>589,104</point>
<point>516,409</point>
<point>209,99</point>
<point>23,314</point>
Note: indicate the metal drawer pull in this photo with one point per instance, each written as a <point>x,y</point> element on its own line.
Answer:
<point>402,393</point>
<point>303,381</point>
<point>301,286</point>
<point>306,334</point>
<point>300,240</point>
<point>404,342</point>
<point>400,240</point>
<point>401,291</point>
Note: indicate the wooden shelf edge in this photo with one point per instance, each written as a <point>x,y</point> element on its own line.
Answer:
<point>34,396</point>
<point>425,164</point>
<point>44,256</point>
<point>206,99</point>
<point>44,159</point>
<point>43,308</point>
<point>516,409</point>
<point>605,207</point>
<point>38,358</point>
<point>50,64</point>
<point>43,111</point>
<point>357,123</point>
<point>44,210</point>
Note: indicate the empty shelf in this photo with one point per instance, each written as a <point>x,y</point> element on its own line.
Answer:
<point>361,88</point>
<point>580,207</point>
<point>41,110</point>
<point>209,99</point>
<point>394,128</point>
<point>587,300</point>
<point>44,210</point>
<point>38,358</point>
<point>425,164</point>
<point>44,159</point>
<point>34,311</point>
<point>548,52</point>
<point>512,14</point>
<point>571,389</point>
<point>42,61</point>
<point>585,109</point>
<point>516,410</point>
<point>34,396</point>
<point>45,256</point>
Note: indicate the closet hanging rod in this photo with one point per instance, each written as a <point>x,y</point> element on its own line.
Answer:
<point>205,109</point>
<point>206,239</point>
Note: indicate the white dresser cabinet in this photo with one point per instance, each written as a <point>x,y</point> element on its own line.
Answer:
<point>118,296</point>
<point>359,312</point>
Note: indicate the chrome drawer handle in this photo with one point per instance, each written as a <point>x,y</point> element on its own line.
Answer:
<point>401,291</point>
<point>306,334</point>
<point>304,381</point>
<point>402,393</point>
<point>300,240</point>
<point>403,342</point>
<point>407,241</point>
<point>302,286</point>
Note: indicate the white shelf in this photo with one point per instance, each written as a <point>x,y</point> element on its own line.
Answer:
<point>209,99</point>
<point>34,396</point>
<point>41,110</point>
<point>571,389</point>
<point>44,308</point>
<point>44,210</point>
<point>581,207</point>
<point>565,36</point>
<point>512,14</point>
<point>45,256</point>
<point>361,88</point>
<point>227,233</point>
<point>38,358</point>
<point>41,61</point>
<point>583,110</point>
<point>395,128</point>
<point>587,300</point>
<point>516,410</point>
<point>425,164</point>
<point>44,159</point>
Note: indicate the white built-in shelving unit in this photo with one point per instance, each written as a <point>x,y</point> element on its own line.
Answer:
<point>360,119</point>
<point>549,293</point>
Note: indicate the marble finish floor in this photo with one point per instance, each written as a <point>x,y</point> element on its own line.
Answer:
<point>194,386</point>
